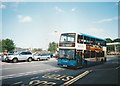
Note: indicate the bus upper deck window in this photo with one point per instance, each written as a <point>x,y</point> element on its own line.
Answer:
<point>80,39</point>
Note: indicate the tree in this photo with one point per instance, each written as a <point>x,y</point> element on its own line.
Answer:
<point>8,44</point>
<point>36,50</point>
<point>0,46</point>
<point>108,40</point>
<point>116,40</point>
<point>53,47</point>
<point>118,47</point>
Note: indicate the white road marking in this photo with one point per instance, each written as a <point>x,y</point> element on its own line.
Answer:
<point>116,62</point>
<point>34,78</point>
<point>17,82</point>
<point>56,71</point>
<point>19,63</point>
<point>76,78</point>
<point>117,67</point>
<point>23,66</point>
<point>28,73</point>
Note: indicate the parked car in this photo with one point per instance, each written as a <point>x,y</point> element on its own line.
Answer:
<point>3,57</point>
<point>11,54</point>
<point>44,56</point>
<point>50,54</point>
<point>25,55</point>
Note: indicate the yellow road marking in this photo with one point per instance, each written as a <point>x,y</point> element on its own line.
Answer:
<point>76,78</point>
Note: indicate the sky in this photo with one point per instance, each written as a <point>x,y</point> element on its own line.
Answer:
<point>35,24</point>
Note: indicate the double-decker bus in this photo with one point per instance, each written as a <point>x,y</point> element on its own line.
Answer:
<point>78,49</point>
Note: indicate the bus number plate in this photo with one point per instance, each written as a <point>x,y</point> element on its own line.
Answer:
<point>64,65</point>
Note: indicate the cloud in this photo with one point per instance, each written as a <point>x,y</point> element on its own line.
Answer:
<point>2,6</point>
<point>106,20</point>
<point>59,9</point>
<point>73,9</point>
<point>24,19</point>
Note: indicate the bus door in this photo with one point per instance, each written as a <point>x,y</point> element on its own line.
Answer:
<point>79,58</point>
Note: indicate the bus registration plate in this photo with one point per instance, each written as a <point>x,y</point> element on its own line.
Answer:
<point>64,65</point>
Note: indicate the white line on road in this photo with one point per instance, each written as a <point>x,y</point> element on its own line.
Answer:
<point>23,66</point>
<point>28,73</point>
<point>17,82</point>
<point>34,78</point>
<point>76,78</point>
<point>117,67</point>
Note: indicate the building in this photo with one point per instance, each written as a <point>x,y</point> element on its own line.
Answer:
<point>18,49</point>
<point>113,48</point>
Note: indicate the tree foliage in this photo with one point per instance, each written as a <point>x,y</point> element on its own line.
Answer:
<point>118,47</point>
<point>36,50</point>
<point>8,44</point>
<point>53,47</point>
<point>0,46</point>
<point>116,40</point>
<point>108,40</point>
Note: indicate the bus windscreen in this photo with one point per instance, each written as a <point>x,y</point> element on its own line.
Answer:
<point>67,53</point>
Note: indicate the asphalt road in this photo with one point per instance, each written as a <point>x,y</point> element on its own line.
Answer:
<point>40,73</point>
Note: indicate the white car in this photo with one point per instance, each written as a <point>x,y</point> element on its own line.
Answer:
<point>3,57</point>
<point>43,56</point>
<point>25,55</point>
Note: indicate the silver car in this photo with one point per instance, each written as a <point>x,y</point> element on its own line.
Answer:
<point>25,55</point>
<point>43,56</point>
<point>3,57</point>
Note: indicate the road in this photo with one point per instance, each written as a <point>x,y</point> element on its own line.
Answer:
<point>39,73</point>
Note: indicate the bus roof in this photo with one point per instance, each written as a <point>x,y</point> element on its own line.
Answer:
<point>87,35</point>
<point>92,36</point>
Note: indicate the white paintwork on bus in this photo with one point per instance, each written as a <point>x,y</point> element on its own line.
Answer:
<point>77,46</point>
<point>80,46</point>
<point>67,48</point>
<point>104,49</point>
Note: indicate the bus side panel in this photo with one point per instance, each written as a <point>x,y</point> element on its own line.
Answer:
<point>67,62</point>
